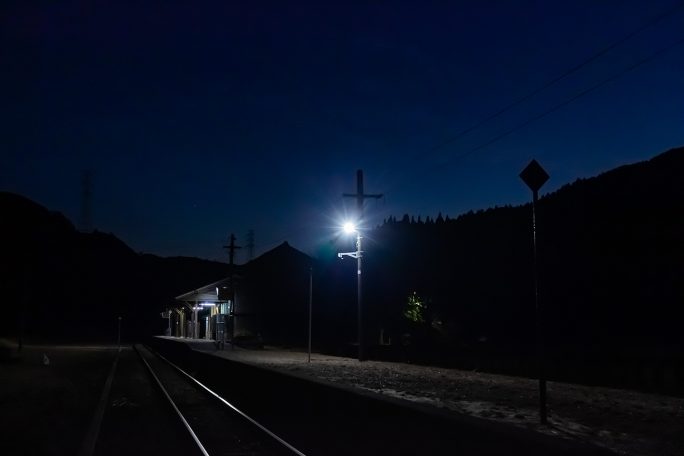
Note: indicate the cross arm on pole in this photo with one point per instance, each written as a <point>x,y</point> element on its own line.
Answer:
<point>354,254</point>
<point>360,195</point>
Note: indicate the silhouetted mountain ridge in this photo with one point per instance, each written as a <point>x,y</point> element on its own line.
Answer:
<point>610,253</point>
<point>71,284</point>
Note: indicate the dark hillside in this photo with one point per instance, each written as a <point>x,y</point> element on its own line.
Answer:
<point>59,283</point>
<point>611,268</point>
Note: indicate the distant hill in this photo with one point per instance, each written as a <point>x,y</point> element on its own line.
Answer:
<point>611,251</point>
<point>61,283</point>
<point>611,267</point>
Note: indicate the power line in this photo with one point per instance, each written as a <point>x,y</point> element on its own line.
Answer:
<point>568,101</point>
<point>557,79</point>
<point>572,70</point>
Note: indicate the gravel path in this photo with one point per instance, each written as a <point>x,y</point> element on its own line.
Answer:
<point>625,421</point>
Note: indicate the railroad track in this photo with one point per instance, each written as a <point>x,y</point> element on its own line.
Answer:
<point>325,419</point>
<point>216,426</point>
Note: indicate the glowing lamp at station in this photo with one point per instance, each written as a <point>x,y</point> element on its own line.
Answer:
<point>349,227</point>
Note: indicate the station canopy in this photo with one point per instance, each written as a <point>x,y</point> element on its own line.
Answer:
<point>214,293</point>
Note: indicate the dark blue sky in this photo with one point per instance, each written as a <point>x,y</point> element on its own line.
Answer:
<point>203,118</point>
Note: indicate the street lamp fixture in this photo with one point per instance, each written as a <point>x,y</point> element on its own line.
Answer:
<point>349,227</point>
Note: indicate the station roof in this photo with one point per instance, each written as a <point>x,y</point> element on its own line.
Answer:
<point>281,258</point>
<point>207,293</point>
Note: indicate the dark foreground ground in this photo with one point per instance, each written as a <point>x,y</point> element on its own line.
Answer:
<point>50,398</point>
<point>624,421</point>
<point>48,401</point>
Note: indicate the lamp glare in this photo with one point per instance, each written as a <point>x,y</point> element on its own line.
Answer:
<point>349,227</point>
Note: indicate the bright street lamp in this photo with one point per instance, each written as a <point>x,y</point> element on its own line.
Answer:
<point>358,254</point>
<point>349,227</point>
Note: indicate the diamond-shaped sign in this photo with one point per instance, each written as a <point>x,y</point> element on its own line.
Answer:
<point>534,176</point>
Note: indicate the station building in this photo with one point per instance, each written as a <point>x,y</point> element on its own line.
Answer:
<point>263,301</point>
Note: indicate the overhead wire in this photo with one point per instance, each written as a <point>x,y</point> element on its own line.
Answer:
<point>557,79</point>
<point>594,57</point>
<point>566,102</point>
<point>569,72</point>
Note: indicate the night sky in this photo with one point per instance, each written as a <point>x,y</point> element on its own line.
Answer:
<point>198,119</point>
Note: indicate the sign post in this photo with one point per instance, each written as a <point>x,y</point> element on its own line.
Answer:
<point>535,177</point>
<point>310,307</point>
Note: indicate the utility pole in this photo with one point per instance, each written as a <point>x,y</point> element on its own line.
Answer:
<point>360,197</point>
<point>231,247</point>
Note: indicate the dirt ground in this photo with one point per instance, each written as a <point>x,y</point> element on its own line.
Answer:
<point>627,422</point>
<point>45,407</point>
<point>47,397</point>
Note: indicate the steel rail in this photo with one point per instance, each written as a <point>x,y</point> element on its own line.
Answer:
<point>173,404</point>
<point>231,406</point>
